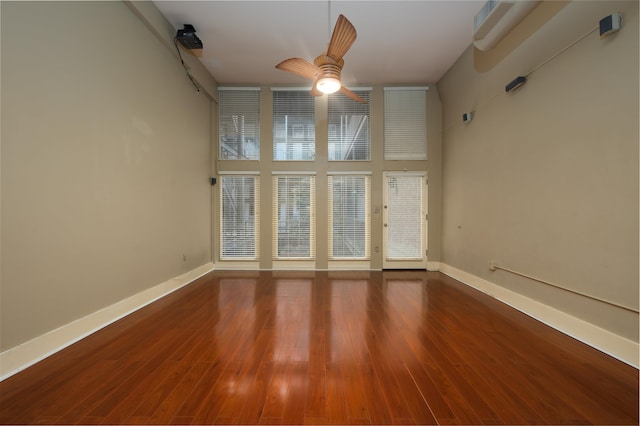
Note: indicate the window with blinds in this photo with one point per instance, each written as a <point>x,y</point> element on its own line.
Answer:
<point>239,118</point>
<point>294,217</point>
<point>294,125</point>
<point>349,229</point>
<point>349,127</point>
<point>239,217</point>
<point>405,123</point>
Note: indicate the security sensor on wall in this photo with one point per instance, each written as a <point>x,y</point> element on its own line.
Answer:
<point>467,117</point>
<point>610,25</point>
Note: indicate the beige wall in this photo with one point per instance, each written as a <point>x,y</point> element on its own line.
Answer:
<point>545,180</point>
<point>105,162</point>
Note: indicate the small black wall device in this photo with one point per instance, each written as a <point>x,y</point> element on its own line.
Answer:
<point>610,24</point>
<point>188,38</point>
<point>515,83</point>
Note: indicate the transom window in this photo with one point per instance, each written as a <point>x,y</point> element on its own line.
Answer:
<point>294,125</point>
<point>349,137</point>
<point>405,123</point>
<point>239,118</point>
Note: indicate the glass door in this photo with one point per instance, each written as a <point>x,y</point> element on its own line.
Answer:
<point>405,220</point>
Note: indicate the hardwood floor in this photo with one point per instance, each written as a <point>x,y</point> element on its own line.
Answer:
<point>324,348</point>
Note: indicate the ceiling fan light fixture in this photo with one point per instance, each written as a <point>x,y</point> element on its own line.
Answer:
<point>328,85</point>
<point>326,68</point>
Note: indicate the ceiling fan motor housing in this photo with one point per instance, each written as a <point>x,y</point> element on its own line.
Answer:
<point>329,66</point>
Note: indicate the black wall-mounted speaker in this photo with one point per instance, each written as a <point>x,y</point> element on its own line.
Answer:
<point>515,83</point>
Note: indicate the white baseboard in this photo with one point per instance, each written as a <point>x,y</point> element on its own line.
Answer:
<point>433,266</point>
<point>605,341</point>
<point>26,354</point>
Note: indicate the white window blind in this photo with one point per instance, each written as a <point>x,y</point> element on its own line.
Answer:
<point>405,124</point>
<point>294,125</point>
<point>239,217</point>
<point>349,137</point>
<point>349,229</point>
<point>239,117</point>
<point>294,217</point>
<point>404,217</point>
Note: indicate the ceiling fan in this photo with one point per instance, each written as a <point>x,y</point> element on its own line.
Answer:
<point>326,68</point>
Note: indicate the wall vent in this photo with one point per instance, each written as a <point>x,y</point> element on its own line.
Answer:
<point>496,18</point>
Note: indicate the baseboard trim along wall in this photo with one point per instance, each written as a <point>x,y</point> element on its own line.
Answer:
<point>22,356</point>
<point>433,266</point>
<point>605,341</point>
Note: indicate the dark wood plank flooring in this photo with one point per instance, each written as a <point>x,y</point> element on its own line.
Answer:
<point>407,347</point>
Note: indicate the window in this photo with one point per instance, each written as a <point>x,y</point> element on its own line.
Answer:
<point>294,217</point>
<point>294,125</point>
<point>405,123</point>
<point>349,127</point>
<point>239,217</point>
<point>239,116</point>
<point>349,217</point>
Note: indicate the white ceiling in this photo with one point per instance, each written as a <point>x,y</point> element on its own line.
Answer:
<point>399,42</point>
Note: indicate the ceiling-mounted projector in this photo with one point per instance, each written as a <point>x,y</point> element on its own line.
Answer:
<point>188,38</point>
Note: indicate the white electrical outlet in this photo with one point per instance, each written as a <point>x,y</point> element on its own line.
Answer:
<point>492,265</point>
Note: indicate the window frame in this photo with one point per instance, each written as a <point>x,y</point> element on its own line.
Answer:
<point>339,105</point>
<point>276,216</point>
<point>405,123</point>
<point>256,217</point>
<point>302,126</point>
<point>249,111</point>
<point>366,208</point>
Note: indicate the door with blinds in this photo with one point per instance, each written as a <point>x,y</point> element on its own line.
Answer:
<point>405,220</point>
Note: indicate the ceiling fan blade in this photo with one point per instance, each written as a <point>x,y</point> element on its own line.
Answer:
<point>352,95</point>
<point>344,34</point>
<point>301,67</point>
